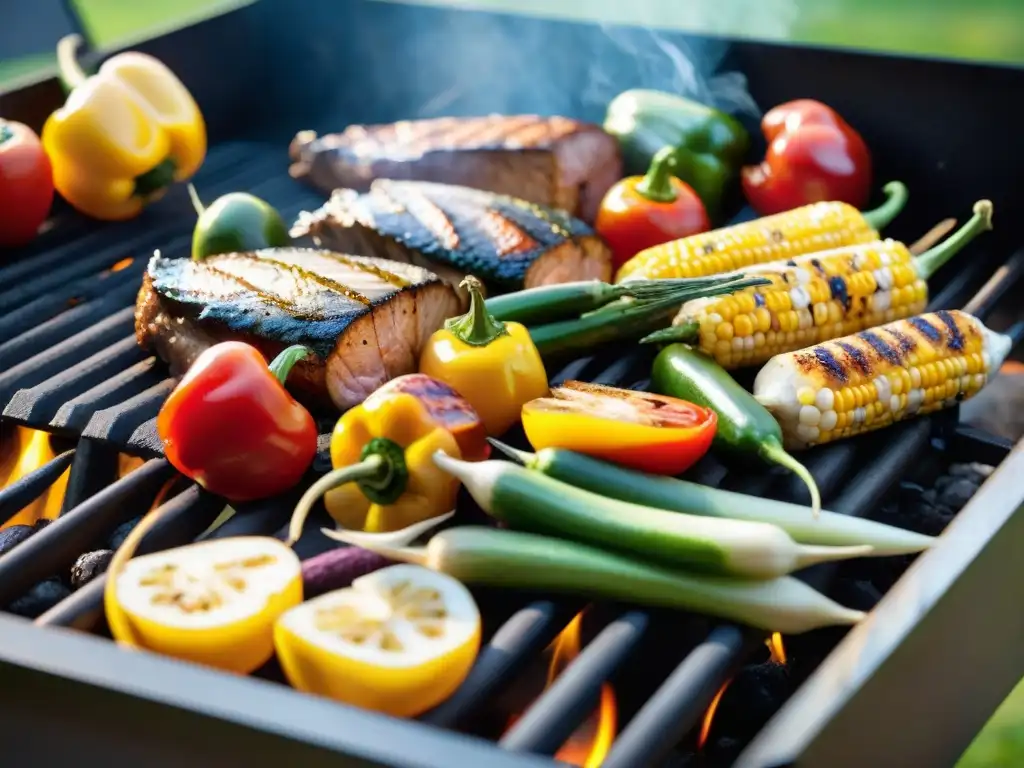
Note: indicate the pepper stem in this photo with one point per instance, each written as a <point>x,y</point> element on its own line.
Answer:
<point>929,262</point>
<point>381,474</point>
<point>197,204</point>
<point>414,555</point>
<point>366,468</point>
<point>282,365</point>
<point>656,185</point>
<point>520,457</point>
<point>478,328</point>
<point>155,179</point>
<point>71,73</point>
<point>685,333</point>
<point>773,452</point>
<point>882,216</point>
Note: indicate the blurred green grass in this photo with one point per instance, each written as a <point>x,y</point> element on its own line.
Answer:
<point>990,30</point>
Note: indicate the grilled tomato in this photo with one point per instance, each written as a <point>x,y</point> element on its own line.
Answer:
<point>399,641</point>
<point>652,433</point>
<point>212,603</point>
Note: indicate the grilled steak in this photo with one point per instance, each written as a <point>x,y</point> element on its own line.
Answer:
<point>507,243</point>
<point>366,319</point>
<point>548,160</point>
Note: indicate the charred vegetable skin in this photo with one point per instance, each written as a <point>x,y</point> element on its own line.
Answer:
<point>817,297</point>
<point>871,379</point>
<point>494,365</point>
<point>812,228</point>
<point>649,432</point>
<point>26,184</point>
<point>813,155</point>
<point>514,560</point>
<point>530,501</point>
<point>745,427</point>
<point>384,476</point>
<point>643,211</point>
<point>708,144</point>
<point>231,426</point>
<point>124,134</point>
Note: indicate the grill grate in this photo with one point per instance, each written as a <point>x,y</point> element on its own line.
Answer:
<point>71,366</point>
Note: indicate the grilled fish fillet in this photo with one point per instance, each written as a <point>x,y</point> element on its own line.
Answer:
<point>507,243</point>
<point>366,319</point>
<point>547,160</point>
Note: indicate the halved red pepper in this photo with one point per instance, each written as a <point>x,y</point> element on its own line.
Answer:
<point>653,433</point>
<point>231,426</point>
<point>813,155</point>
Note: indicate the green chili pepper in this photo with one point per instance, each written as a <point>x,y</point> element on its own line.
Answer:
<point>513,560</point>
<point>744,425</point>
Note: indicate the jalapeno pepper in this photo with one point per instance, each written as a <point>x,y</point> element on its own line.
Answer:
<point>640,430</point>
<point>494,365</point>
<point>384,477</point>
<point>231,426</point>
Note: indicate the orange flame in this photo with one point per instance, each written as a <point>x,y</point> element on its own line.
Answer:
<point>776,648</point>
<point>122,264</point>
<point>589,745</point>
<point>777,653</point>
<point>23,451</point>
<point>709,716</point>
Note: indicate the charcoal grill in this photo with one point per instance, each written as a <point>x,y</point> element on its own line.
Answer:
<point>909,686</point>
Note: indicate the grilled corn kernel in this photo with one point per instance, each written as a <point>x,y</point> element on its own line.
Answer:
<point>815,297</point>
<point>808,229</point>
<point>866,381</point>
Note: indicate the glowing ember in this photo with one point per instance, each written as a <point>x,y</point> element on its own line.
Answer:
<point>589,745</point>
<point>22,451</point>
<point>709,716</point>
<point>776,649</point>
<point>122,264</point>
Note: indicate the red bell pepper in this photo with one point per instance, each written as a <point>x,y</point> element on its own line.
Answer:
<point>813,155</point>
<point>653,433</point>
<point>231,426</point>
<point>26,184</point>
<point>640,212</point>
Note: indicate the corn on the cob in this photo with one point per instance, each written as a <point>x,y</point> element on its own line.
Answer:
<point>807,229</point>
<point>869,380</point>
<point>816,297</point>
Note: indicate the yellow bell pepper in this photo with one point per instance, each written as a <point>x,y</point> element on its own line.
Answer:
<point>212,603</point>
<point>384,476</point>
<point>123,135</point>
<point>400,641</point>
<point>494,365</point>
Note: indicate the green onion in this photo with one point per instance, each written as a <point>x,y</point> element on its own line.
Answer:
<point>534,502</point>
<point>513,560</point>
<point>669,493</point>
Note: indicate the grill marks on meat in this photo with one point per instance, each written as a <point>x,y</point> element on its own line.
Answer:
<point>366,319</point>
<point>552,161</point>
<point>507,242</point>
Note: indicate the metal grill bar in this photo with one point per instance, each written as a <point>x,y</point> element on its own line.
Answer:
<point>19,495</point>
<point>553,717</point>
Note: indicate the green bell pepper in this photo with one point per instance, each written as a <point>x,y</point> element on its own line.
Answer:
<point>710,145</point>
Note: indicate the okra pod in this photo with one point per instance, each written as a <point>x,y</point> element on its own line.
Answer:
<point>606,479</point>
<point>536,503</point>
<point>513,560</point>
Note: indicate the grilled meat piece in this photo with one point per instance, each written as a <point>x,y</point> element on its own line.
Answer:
<point>366,319</point>
<point>547,160</point>
<point>507,243</point>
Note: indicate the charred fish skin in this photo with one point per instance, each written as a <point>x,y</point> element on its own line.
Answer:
<point>500,239</point>
<point>365,319</point>
<point>550,160</point>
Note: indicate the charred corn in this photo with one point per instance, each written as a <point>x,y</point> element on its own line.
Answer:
<point>808,229</point>
<point>816,297</point>
<point>871,379</point>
